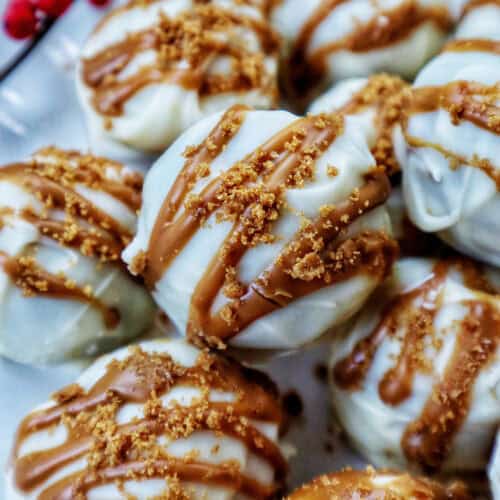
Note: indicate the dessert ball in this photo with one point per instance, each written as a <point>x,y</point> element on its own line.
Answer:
<point>415,378</point>
<point>371,484</point>
<point>152,69</point>
<point>326,41</point>
<point>449,148</point>
<point>263,230</point>
<point>65,218</point>
<point>376,106</point>
<point>158,420</point>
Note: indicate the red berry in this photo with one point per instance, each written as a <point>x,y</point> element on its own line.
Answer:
<point>99,3</point>
<point>20,19</point>
<point>52,8</point>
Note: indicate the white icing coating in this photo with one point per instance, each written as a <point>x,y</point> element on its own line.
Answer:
<point>206,446</point>
<point>461,203</point>
<point>373,105</point>
<point>404,56</point>
<point>305,318</point>
<point>40,329</point>
<point>374,426</point>
<point>341,94</point>
<point>154,116</point>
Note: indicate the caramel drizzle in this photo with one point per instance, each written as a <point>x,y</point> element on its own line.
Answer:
<point>209,474</point>
<point>110,93</point>
<point>473,45</point>
<point>26,274</point>
<point>427,440</point>
<point>460,99</point>
<point>63,196</point>
<point>359,485</point>
<point>474,4</point>
<point>396,385</point>
<point>276,286</point>
<point>138,379</point>
<point>54,186</point>
<point>307,68</point>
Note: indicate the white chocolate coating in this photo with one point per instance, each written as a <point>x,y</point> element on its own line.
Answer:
<point>305,318</point>
<point>196,443</point>
<point>400,44</point>
<point>159,111</point>
<point>44,327</point>
<point>444,192</point>
<point>374,105</point>
<point>341,94</point>
<point>387,405</point>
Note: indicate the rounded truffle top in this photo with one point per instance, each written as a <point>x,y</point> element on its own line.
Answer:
<point>159,418</point>
<point>371,484</point>
<point>151,69</point>
<point>253,217</point>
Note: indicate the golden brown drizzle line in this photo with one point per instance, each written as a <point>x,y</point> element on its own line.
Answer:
<point>363,485</point>
<point>173,43</point>
<point>473,45</point>
<point>427,440</point>
<point>53,184</point>
<point>464,101</point>
<point>307,68</point>
<point>276,286</point>
<point>474,4</point>
<point>143,378</point>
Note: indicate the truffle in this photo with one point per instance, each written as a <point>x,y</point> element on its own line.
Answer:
<point>151,69</point>
<point>65,218</point>
<point>415,377</point>
<point>449,143</point>
<point>327,41</point>
<point>161,419</point>
<point>263,230</point>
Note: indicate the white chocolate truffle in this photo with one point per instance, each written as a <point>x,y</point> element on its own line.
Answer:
<point>64,292</point>
<point>152,69</point>
<point>415,378</point>
<point>330,40</point>
<point>263,230</point>
<point>161,419</point>
<point>372,484</point>
<point>494,470</point>
<point>374,104</point>
<point>449,148</point>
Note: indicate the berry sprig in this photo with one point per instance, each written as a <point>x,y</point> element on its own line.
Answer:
<point>24,18</point>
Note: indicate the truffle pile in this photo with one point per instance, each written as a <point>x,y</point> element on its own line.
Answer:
<point>354,225</point>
